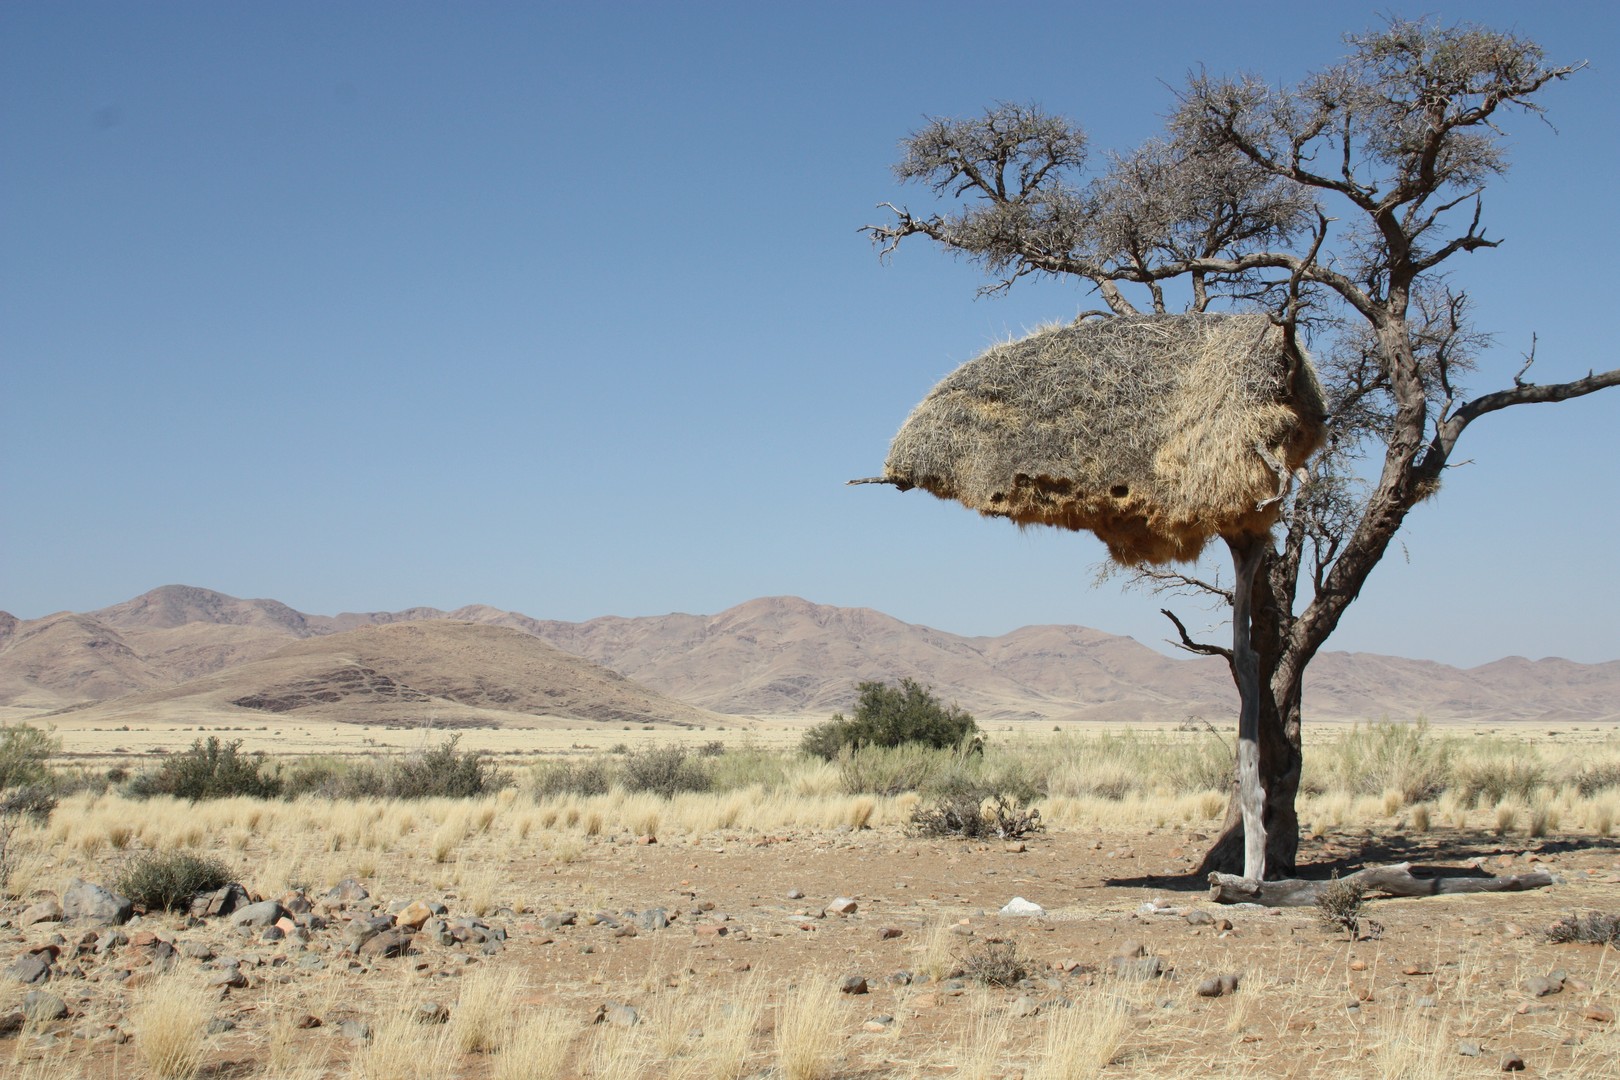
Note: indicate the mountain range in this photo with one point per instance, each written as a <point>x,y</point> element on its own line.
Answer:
<point>179,647</point>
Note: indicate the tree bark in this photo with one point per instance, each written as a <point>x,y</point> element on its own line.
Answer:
<point>1251,793</point>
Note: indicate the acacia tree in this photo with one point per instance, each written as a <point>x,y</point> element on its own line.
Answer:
<point>1334,204</point>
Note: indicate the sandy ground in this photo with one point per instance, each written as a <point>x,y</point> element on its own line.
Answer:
<point>1443,971</point>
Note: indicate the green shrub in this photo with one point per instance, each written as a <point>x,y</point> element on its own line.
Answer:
<point>167,880</point>
<point>25,754</point>
<point>663,770</point>
<point>592,776</point>
<point>209,770</point>
<point>889,716</point>
<point>441,772</point>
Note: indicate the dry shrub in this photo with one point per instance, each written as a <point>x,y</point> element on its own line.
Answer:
<point>1339,905</point>
<point>994,962</point>
<point>1592,928</point>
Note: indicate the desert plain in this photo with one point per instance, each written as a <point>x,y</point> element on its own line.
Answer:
<point>789,918</point>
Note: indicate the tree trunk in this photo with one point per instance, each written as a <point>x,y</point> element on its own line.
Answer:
<point>1280,761</point>
<point>1251,792</point>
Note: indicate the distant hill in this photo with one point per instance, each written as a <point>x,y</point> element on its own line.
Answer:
<point>442,671</point>
<point>771,656</point>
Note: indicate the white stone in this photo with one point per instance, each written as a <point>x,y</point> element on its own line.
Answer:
<point>1019,906</point>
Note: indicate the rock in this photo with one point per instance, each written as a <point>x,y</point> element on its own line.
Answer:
<point>230,977</point>
<point>257,916</point>
<point>1469,1048</point>
<point>1358,965</point>
<point>386,944</point>
<point>1024,1005</point>
<point>1512,1062</point>
<point>219,1025</point>
<point>306,1022</point>
<point>852,984</point>
<point>47,910</point>
<point>1541,986</point>
<point>1019,906</point>
<point>1139,968</point>
<point>31,968</point>
<point>87,902</point>
<point>795,894</point>
<point>355,1030</point>
<point>558,920</point>
<point>1210,988</point>
<point>414,915</point>
<point>617,1015</point>
<point>653,919</point>
<point>842,905</point>
<point>221,901</point>
<point>297,903</point>
<point>347,891</point>
<point>1130,949</point>
<point>888,933</point>
<point>1200,917</point>
<point>431,1012</point>
<point>1599,1014</point>
<point>108,940</point>
<point>42,1007</point>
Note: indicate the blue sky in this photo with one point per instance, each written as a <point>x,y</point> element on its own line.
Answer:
<point>562,308</point>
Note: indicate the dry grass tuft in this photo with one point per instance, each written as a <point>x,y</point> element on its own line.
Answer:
<point>809,1045</point>
<point>481,1022</point>
<point>1082,1039</point>
<point>171,1020</point>
<point>536,1048</point>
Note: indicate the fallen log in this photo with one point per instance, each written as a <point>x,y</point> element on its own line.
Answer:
<point>1396,880</point>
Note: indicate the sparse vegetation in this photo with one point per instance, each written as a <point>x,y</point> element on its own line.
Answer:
<point>1339,905</point>
<point>167,880</point>
<point>1592,928</point>
<point>211,769</point>
<point>972,810</point>
<point>994,962</point>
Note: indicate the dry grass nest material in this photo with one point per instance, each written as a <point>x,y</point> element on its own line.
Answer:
<point>1155,432</point>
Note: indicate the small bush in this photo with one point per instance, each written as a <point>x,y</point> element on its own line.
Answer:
<point>209,770</point>
<point>974,811</point>
<point>1593,928</point>
<point>994,962</point>
<point>25,754</point>
<point>1597,779</point>
<point>1339,905</point>
<point>167,880</point>
<point>441,772</point>
<point>663,770</point>
<point>593,776</point>
<point>889,716</point>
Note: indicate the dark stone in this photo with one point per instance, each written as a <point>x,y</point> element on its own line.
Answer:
<point>852,984</point>
<point>30,968</point>
<point>42,1007</point>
